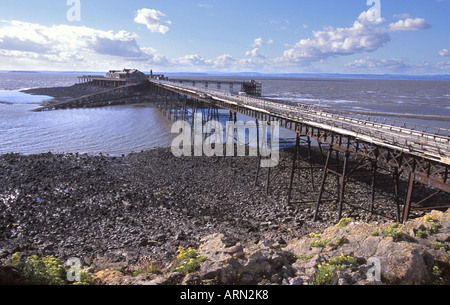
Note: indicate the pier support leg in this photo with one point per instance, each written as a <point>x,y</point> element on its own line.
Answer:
<point>372,194</point>
<point>342,186</point>
<point>409,194</point>
<point>294,165</point>
<point>397,192</point>
<point>322,184</point>
<point>268,180</point>
<point>311,168</point>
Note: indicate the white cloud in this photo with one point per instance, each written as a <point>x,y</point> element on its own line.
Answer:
<point>444,52</point>
<point>224,61</point>
<point>77,47</point>
<point>409,24</point>
<point>259,42</point>
<point>151,19</point>
<point>379,65</point>
<point>397,65</point>
<point>255,53</point>
<point>30,37</point>
<point>362,37</point>
<point>191,60</point>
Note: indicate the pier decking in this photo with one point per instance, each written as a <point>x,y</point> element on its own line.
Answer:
<point>421,154</point>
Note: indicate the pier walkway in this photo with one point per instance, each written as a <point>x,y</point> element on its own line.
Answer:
<point>419,153</point>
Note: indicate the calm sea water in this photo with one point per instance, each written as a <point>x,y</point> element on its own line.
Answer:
<point>110,130</point>
<point>124,129</point>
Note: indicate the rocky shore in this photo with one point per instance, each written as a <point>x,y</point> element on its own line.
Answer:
<point>118,214</point>
<point>143,204</point>
<point>62,94</point>
<point>114,212</point>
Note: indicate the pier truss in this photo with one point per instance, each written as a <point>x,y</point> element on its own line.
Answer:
<point>334,151</point>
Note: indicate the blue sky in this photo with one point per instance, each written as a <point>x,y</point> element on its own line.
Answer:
<point>292,36</point>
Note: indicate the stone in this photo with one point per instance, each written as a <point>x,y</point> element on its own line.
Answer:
<point>406,261</point>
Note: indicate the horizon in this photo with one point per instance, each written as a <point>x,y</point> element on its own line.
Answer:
<point>324,36</point>
<point>437,77</point>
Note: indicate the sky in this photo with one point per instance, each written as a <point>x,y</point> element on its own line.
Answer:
<point>410,37</point>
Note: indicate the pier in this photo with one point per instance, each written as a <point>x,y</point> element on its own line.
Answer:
<point>410,160</point>
<point>251,87</point>
<point>351,147</point>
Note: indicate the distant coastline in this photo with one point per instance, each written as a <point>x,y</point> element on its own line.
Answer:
<point>443,77</point>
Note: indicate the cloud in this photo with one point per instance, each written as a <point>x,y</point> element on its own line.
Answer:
<point>192,60</point>
<point>444,52</point>
<point>150,18</point>
<point>203,5</point>
<point>224,61</point>
<point>30,37</point>
<point>397,65</point>
<point>256,45</point>
<point>409,24</point>
<point>255,53</point>
<point>42,46</point>
<point>379,65</point>
<point>259,42</point>
<point>363,36</point>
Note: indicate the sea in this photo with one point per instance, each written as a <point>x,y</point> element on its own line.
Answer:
<point>119,130</point>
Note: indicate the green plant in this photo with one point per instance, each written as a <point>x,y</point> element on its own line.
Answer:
<point>429,219</point>
<point>422,233</point>
<point>43,271</point>
<point>436,276</point>
<point>187,260</point>
<point>435,228</point>
<point>343,222</point>
<point>292,258</point>
<point>393,231</point>
<point>437,246</point>
<point>320,243</point>
<point>435,224</point>
<point>315,235</point>
<point>341,240</point>
<point>324,275</point>
<point>375,233</point>
<point>342,260</point>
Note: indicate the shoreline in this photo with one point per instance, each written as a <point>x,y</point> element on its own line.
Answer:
<point>142,204</point>
<point>62,94</point>
<point>118,213</point>
<point>120,210</point>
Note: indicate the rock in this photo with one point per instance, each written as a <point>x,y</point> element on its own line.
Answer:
<point>241,264</point>
<point>406,260</point>
<point>8,276</point>
<point>296,281</point>
<point>108,277</point>
<point>101,207</point>
<point>173,278</point>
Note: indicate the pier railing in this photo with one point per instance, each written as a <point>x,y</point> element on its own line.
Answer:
<point>412,153</point>
<point>423,141</point>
